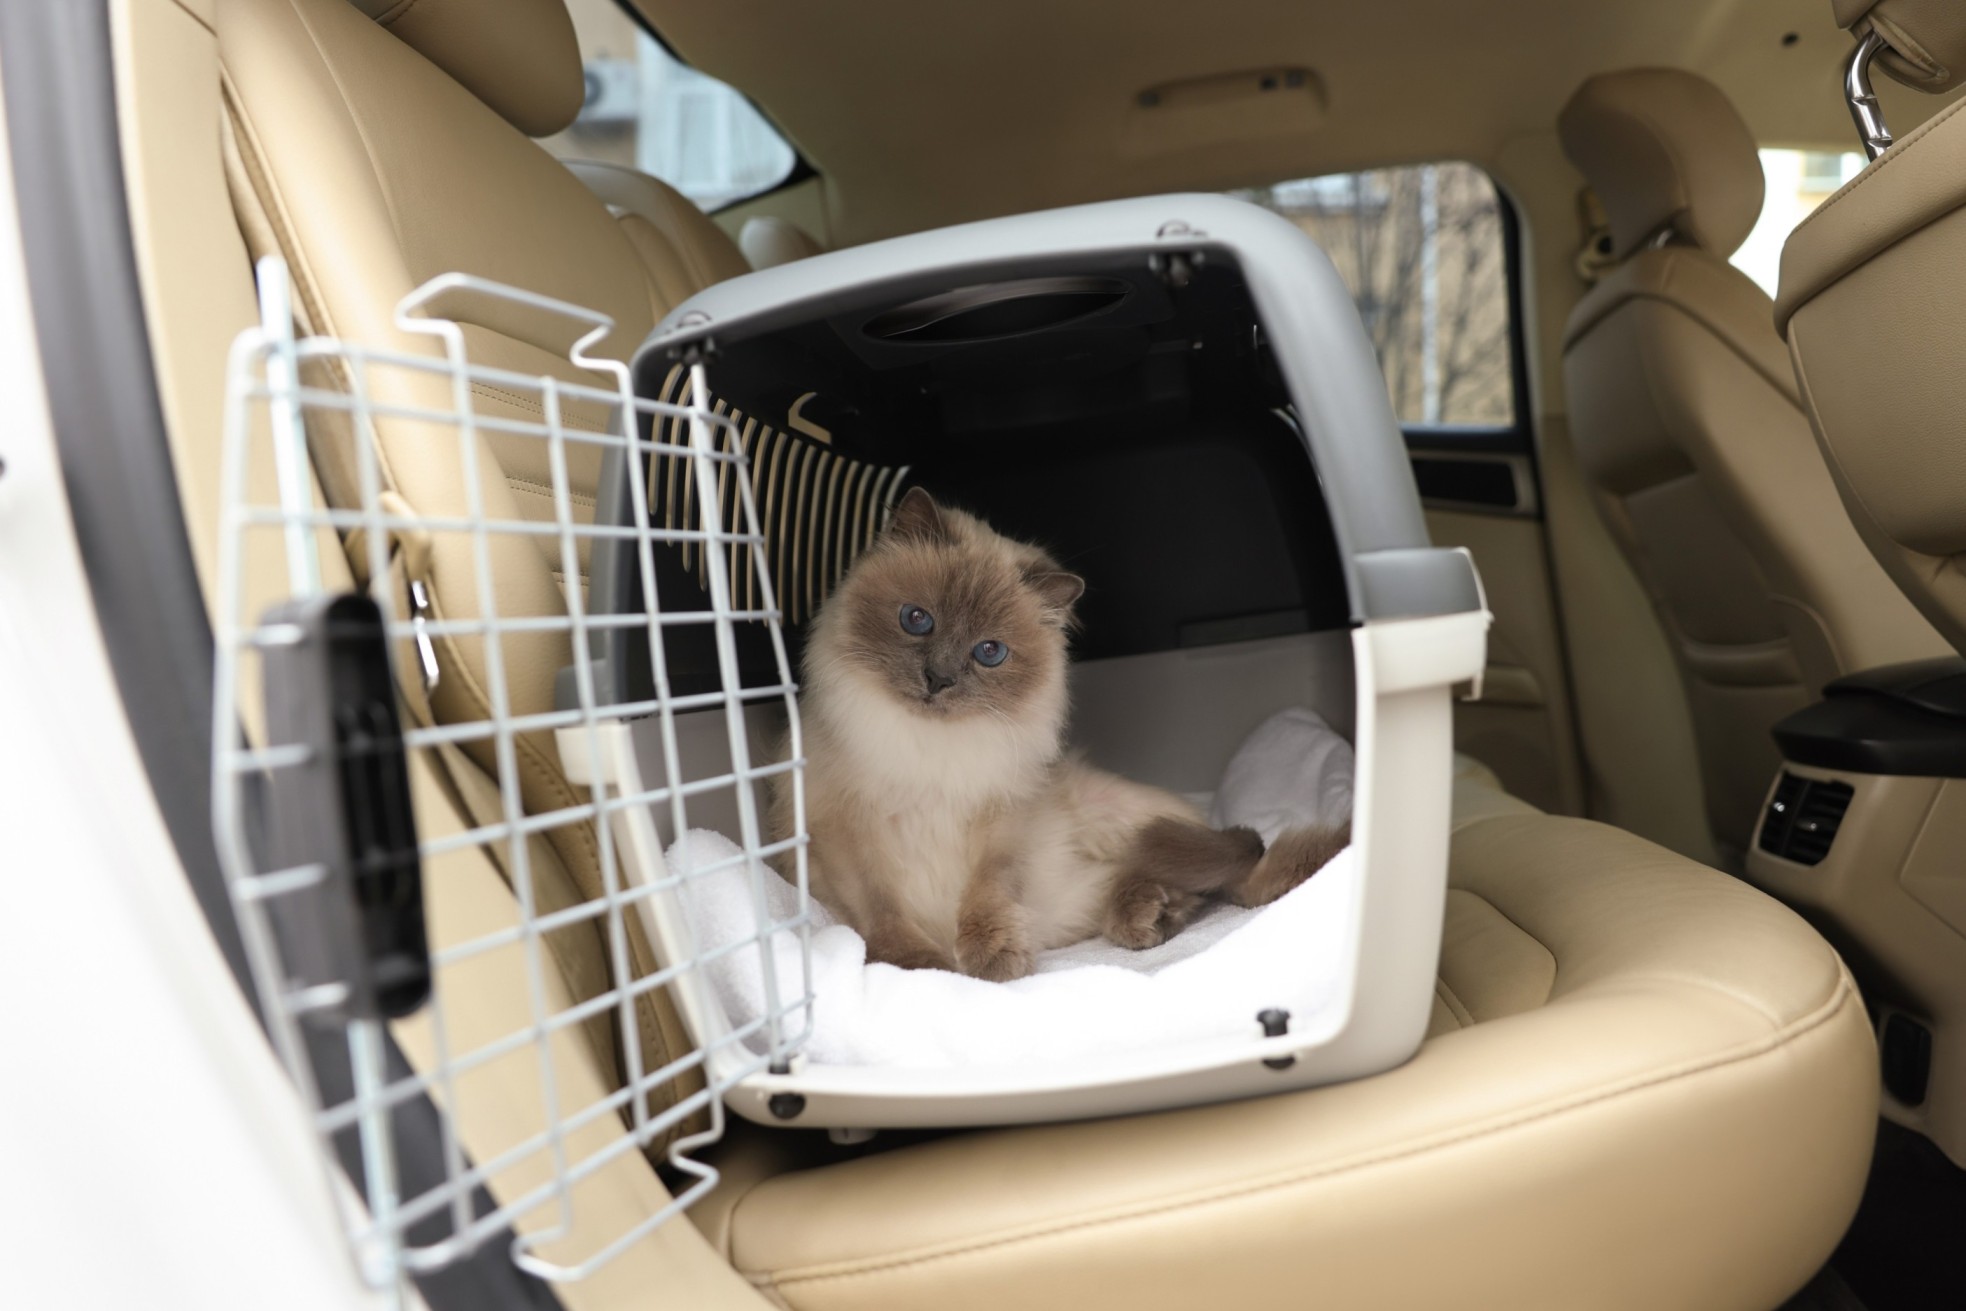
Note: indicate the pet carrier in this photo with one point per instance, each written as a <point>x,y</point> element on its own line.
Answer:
<point>1175,393</point>
<point>951,360</point>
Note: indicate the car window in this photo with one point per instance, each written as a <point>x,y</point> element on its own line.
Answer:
<point>648,110</point>
<point>1422,250</point>
<point>1795,182</point>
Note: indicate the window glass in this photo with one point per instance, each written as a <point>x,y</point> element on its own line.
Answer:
<point>650,111</point>
<point>1796,181</point>
<point>1421,249</point>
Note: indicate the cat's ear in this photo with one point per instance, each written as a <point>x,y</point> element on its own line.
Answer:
<point>1056,588</point>
<point>918,517</point>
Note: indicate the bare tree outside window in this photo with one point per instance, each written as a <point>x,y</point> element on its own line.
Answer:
<point>1421,249</point>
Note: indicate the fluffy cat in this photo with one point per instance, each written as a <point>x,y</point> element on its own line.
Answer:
<point>949,827</point>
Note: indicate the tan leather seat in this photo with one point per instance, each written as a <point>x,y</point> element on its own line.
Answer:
<point>1589,1127</point>
<point>768,241</point>
<point>1688,423</point>
<point>683,250</point>
<point>375,155</point>
<point>1648,1085</point>
<point>1871,306</point>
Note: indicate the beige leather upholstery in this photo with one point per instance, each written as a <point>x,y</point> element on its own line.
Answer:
<point>521,57</point>
<point>1646,1086</point>
<point>1690,428</point>
<point>1926,38</point>
<point>372,172</point>
<point>768,241</point>
<point>1660,1098</point>
<point>681,248</point>
<point>1663,149</point>
<point>1870,305</point>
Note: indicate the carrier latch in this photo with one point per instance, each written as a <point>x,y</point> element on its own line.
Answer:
<point>342,826</point>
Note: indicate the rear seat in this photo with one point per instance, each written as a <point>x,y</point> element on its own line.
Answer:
<point>1648,1085</point>
<point>768,241</point>
<point>682,250</point>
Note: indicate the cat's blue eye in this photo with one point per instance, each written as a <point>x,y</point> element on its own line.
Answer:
<point>916,620</point>
<point>990,652</point>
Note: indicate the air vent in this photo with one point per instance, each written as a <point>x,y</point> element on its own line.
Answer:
<point>1802,818</point>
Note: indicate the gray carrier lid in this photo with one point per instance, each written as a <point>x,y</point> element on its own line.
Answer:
<point>1392,570</point>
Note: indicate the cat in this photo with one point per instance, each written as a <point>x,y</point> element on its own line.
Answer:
<point>949,826</point>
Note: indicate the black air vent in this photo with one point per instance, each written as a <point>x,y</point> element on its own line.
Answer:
<point>1802,818</point>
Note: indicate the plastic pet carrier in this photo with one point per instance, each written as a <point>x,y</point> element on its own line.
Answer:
<point>1173,394</point>
<point>1083,378</point>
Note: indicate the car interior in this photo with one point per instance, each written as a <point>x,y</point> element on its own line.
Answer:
<point>1662,293</point>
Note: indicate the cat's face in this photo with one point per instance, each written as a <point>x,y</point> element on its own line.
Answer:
<point>951,620</point>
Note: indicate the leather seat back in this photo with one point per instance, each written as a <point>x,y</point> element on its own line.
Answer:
<point>683,250</point>
<point>1872,309</point>
<point>768,241</point>
<point>1689,425</point>
<point>375,153</point>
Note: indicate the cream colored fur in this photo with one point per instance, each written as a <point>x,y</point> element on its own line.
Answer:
<point>915,807</point>
<point>952,840</point>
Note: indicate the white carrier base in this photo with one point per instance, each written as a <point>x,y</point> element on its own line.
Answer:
<point>1406,671</point>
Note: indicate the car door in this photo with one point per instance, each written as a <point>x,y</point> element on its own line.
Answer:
<point>1430,253</point>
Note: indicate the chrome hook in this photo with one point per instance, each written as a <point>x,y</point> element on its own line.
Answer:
<point>1864,109</point>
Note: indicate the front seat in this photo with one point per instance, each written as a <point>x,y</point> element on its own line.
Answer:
<point>1690,429</point>
<point>1647,1084</point>
<point>1872,308</point>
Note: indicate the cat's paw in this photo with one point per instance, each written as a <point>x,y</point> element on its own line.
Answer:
<point>1147,914</point>
<point>992,950</point>
<point>1001,967</point>
<point>1295,856</point>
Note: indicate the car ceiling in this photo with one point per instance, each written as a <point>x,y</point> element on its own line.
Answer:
<point>925,114</point>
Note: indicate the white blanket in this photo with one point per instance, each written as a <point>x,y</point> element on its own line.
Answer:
<point>1088,1000</point>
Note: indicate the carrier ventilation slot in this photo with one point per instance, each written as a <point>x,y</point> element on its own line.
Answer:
<point>818,508</point>
<point>1803,817</point>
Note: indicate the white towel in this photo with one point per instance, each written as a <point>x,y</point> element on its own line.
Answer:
<point>1293,770</point>
<point>1085,1001</point>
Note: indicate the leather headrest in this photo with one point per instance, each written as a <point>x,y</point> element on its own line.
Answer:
<point>1927,38</point>
<point>518,56</point>
<point>1661,148</point>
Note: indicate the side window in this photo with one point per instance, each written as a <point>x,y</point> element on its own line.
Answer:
<point>648,110</point>
<point>1795,182</point>
<point>1422,250</point>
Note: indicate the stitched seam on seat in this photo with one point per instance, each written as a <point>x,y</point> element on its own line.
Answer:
<point>531,488</point>
<point>525,402</point>
<point>1879,164</point>
<point>194,16</point>
<point>1725,340</point>
<point>1840,997</point>
<point>273,204</point>
<point>1556,964</point>
<point>1719,990</point>
<point>376,171</point>
<point>767,1286</point>
<point>648,1013</point>
<point>1461,1014</point>
<point>388,16</point>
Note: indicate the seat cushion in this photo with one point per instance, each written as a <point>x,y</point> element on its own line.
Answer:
<point>1658,1091</point>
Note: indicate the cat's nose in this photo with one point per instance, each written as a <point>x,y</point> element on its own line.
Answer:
<point>937,680</point>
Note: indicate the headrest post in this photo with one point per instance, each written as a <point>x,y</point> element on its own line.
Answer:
<point>1864,109</point>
